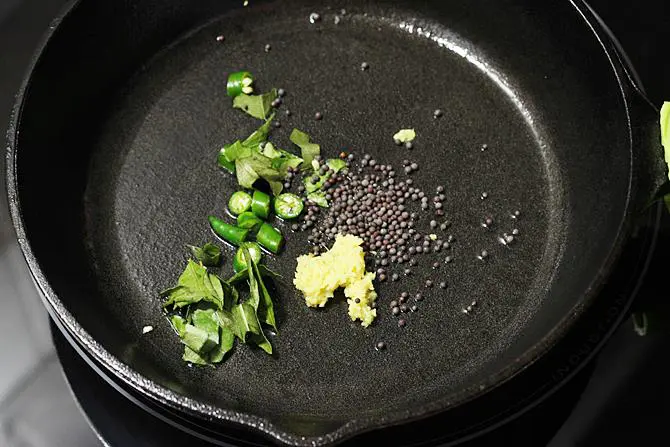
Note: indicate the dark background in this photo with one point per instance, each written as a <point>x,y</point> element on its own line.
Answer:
<point>627,397</point>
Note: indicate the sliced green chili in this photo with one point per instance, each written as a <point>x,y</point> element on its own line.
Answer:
<point>288,206</point>
<point>239,262</point>
<point>260,204</point>
<point>239,202</point>
<point>249,221</point>
<point>240,82</point>
<point>229,233</point>
<point>270,238</point>
<point>223,160</point>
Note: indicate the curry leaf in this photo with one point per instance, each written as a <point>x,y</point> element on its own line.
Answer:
<point>197,339</point>
<point>282,164</point>
<point>260,135</point>
<point>258,166</point>
<point>308,149</point>
<point>219,352</point>
<point>266,311</point>
<point>204,319</point>
<point>209,254</point>
<point>258,106</point>
<point>336,164</point>
<point>244,274</point>
<point>236,151</point>
<point>193,357</point>
<point>246,174</point>
<point>195,284</point>
<point>318,197</point>
<point>248,328</point>
<point>270,151</point>
<point>254,294</point>
<point>179,324</point>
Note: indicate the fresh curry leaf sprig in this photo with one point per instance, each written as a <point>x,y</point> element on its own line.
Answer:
<point>207,313</point>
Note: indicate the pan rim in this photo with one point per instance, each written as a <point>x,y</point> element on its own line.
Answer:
<point>354,426</point>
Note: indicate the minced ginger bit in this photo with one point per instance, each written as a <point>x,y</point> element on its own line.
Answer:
<point>343,266</point>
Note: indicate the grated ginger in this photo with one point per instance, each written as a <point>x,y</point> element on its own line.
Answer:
<point>343,266</point>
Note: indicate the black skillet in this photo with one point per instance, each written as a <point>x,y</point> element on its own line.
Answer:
<point>111,172</point>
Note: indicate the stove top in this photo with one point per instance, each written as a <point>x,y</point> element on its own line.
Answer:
<point>620,398</point>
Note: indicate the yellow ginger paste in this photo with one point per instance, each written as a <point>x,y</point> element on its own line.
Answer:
<point>318,277</point>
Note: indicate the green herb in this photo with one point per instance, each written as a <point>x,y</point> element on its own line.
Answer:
<point>258,106</point>
<point>193,357</point>
<point>243,275</point>
<point>223,161</point>
<point>237,150</point>
<point>203,319</point>
<point>270,151</point>
<point>287,160</point>
<point>246,173</point>
<point>205,340</point>
<point>208,314</point>
<point>248,328</point>
<point>318,197</point>
<point>258,166</point>
<point>266,309</point>
<point>335,164</point>
<point>310,186</point>
<point>231,152</point>
<point>198,339</point>
<point>227,338</point>
<point>404,135</point>
<point>195,284</point>
<point>209,254</point>
<point>260,135</point>
<point>308,149</point>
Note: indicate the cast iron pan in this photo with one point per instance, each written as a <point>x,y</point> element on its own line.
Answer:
<point>111,171</point>
<point>105,398</point>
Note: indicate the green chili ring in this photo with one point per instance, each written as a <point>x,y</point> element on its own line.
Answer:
<point>239,262</point>
<point>288,206</point>
<point>239,202</point>
<point>240,82</point>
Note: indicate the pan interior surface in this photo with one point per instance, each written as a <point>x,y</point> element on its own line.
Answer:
<point>153,180</point>
<point>149,179</point>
